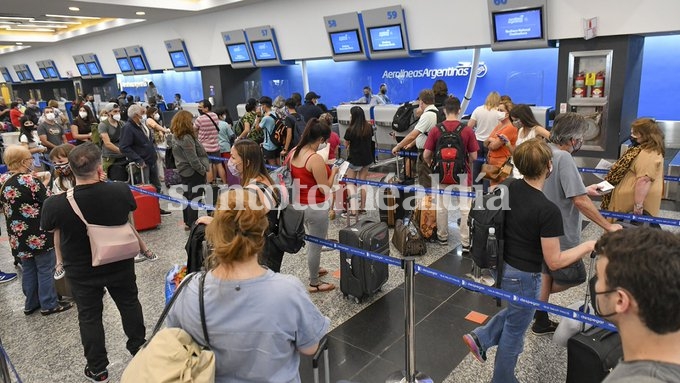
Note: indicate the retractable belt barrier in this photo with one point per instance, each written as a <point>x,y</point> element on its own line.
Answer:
<point>605,171</point>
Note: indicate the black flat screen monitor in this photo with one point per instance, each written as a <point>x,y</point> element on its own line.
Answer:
<point>387,38</point>
<point>93,68</point>
<point>345,42</point>
<point>138,63</point>
<point>238,53</point>
<point>52,71</point>
<point>179,59</point>
<point>523,24</point>
<point>124,64</point>
<point>82,68</point>
<point>20,74</point>
<point>7,77</point>
<point>263,50</point>
<point>43,72</point>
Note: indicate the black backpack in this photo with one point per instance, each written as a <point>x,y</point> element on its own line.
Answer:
<point>280,132</point>
<point>440,114</point>
<point>449,155</point>
<point>404,118</point>
<point>298,122</point>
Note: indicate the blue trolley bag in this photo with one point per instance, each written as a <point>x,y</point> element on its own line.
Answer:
<point>360,277</point>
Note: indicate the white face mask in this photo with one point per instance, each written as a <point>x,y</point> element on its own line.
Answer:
<point>156,116</point>
<point>103,118</point>
<point>83,115</point>
<point>116,117</point>
<point>143,117</point>
<point>49,116</point>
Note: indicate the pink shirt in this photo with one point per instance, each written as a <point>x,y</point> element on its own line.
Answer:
<point>207,132</point>
<point>333,142</point>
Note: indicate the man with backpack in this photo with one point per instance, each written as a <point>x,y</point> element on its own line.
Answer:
<point>428,119</point>
<point>296,123</point>
<point>270,150</point>
<point>449,151</point>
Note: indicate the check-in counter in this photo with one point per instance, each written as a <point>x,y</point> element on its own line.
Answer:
<point>542,115</point>
<point>384,135</point>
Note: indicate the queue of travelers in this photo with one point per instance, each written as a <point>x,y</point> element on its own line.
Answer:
<point>543,246</point>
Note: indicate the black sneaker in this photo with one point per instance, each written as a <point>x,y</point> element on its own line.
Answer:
<point>165,212</point>
<point>547,330</point>
<point>102,376</point>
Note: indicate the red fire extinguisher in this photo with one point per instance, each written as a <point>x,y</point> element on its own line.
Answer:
<point>580,85</point>
<point>598,89</point>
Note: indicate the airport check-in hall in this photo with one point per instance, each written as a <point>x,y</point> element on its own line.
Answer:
<point>340,191</point>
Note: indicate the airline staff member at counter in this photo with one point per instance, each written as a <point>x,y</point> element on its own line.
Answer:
<point>418,135</point>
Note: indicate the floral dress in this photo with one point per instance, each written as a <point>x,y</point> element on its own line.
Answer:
<point>22,197</point>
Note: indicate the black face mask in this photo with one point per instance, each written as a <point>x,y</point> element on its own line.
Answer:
<point>593,297</point>
<point>633,141</point>
<point>383,91</point>
<point>367,95</point>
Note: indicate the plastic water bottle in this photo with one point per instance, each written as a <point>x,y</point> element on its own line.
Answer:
<point>492,248</point>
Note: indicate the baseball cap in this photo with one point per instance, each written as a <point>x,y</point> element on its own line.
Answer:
<point>109,107</point>
<point>311,95</point>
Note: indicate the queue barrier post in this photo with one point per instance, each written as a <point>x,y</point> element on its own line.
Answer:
<point>409,374</point>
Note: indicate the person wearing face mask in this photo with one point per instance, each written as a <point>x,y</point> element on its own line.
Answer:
<point>631,291</point>
<point>501,141</point>
<point>316,180</point>
<point>81,128</point>
<point>383,94</point>
<point>28,137</point>
<point>15,114</point>
<point>369,98</point>
<point>50,131</point>
<point>22,196</point>
<point>638,175</point>
<point>110,129</point>
<point>32,111</point>
<point>191,161</point>
<point>207,132</point>
<point>566,189</point>
<point>309,109</point>
<point>358,139</point>
<point>527,128</point>
<point>533,226</point>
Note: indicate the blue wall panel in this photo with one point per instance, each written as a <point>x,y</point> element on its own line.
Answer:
<point>660,87</point>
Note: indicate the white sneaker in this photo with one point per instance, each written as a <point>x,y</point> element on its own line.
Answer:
<point>140,258</point>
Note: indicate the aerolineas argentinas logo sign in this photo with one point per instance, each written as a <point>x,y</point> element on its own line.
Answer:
<point>461,70</point>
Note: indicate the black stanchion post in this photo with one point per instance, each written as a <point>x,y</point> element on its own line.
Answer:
<point>409,375</point>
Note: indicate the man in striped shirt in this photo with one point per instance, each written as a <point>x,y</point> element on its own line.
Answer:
<point>206,126</point>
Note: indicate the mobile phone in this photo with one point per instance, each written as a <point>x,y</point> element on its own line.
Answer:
<point>338,162</point>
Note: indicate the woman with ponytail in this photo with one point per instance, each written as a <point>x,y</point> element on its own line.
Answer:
<point>254,317</point>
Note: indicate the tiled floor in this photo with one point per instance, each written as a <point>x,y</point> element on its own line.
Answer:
<point>366,340</point>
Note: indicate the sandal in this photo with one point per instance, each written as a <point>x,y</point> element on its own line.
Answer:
<point>322,272</point>
<point>321,287</point>
<point>58,309</point>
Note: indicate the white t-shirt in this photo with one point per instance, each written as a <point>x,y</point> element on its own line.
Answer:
<point>486,121</point>
<point>36,140</point>
<point>426,121</point>
<point>532,134</point>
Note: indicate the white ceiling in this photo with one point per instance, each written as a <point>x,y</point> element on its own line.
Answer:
<point>113,14</point>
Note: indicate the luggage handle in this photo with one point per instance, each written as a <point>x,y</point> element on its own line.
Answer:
<point>323,349</point>
<point>588,276</point>
<point>131,173</point>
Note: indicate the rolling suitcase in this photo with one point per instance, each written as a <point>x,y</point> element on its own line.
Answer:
<point>592,354</point>
<point>394,204</point>
<point>148,213</point>
<point>360,277</point>
<point>323,350</point>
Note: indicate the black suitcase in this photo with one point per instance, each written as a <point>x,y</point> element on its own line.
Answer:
<point>396,204</point>
<point>360,277</point>
<point>592,354</point>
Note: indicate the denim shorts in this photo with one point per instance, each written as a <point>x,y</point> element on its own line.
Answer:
<point>356,168</point>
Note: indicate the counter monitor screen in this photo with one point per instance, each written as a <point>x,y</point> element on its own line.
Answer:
<point>20,74</point>
<point>345,42</point>
<point>124,64</point>
<point>179,59</point>
<point>27,75</point>
<point>43,73</point>
<point>82,68</point>
<point>524,24</point>
<point>93,68</point>
<point>263,50</point>
<point>7,77</point>
<point>52,72</point>
<point>138,63</point>
<point>386,38</point>
<point>238,53</point>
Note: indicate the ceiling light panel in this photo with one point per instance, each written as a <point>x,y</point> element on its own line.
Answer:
<point>74,17</point>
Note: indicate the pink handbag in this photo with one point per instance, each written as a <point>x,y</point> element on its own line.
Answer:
<point>108,243</point>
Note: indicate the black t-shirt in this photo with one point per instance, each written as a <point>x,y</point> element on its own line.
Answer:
<point>308,110</point>
<point>360,147</point>
<point>531,217</point>
<point>102,203</point>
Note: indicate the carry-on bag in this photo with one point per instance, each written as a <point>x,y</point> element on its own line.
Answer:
<point>407,240</point>
<point>360,277</point>
<point>148,213</point>
<point>396,204</point>
<point>322,350</point>
<point>593,353</point>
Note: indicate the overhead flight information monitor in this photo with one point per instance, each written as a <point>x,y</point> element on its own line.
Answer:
<point>263,50</point>
<point>88,65</point>
<point>387,33</point>
<point>238,49</point>
<point>140,64</point>
<point>521,25</point>
<point>264,46</point>
<point>82,68</point>
<point>124,64</point>
<point>345,33</point>
<point>179,57</point>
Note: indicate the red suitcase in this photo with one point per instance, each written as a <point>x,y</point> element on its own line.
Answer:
<point>148,213</point>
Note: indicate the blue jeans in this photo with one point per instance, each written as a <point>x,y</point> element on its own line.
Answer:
<point>506,329</point>
<point>38,281</point>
